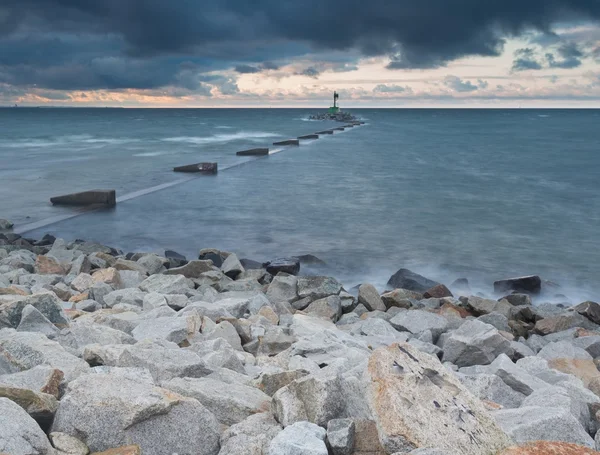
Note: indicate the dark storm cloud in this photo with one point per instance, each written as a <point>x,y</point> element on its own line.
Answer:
<point>311,71</point>
<point>570,57</point>
<point>251,69</point>
<point>223,33</point>
<point>525,59</point>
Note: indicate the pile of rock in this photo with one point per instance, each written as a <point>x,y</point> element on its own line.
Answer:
<point>104,352</point>
<point>337,117</point>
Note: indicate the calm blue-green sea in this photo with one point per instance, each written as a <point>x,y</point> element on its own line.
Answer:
<point>482,194</point>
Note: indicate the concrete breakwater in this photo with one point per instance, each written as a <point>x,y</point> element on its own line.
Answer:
<point>87,204</point>
<point>143,353</point>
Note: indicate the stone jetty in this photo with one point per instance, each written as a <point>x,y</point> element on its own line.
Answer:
<point>287,142</point>
<point>107,352</point>
<point>308,136</point>
<point>339,116</point>
<point>254,152</point>
<point>204,168</point>
<point>87,198</point>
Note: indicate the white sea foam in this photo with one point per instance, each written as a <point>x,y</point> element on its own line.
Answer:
<point>145,154</point>
<point>220,138</point>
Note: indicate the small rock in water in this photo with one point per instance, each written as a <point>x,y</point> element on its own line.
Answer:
<point>527,284</point>
<point>287,265</point>
<point>5,224</point>
<point>406,279</point>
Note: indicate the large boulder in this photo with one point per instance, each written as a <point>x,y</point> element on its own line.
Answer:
<point>193,269</point>
<point>159,421</point>
<point>406,279</point>
<point>326,308</point>
<point>283,288</point>
<point>340,436</point>
<point>232,267</point>
<point>286,265</point>
<point>252,436</point>
<point>20,434</point>
<point>370,298</point>
<point>41,378</point>
<point>47,265</point>
<point>318,287</point>
<point>590,310</point>
<point>533,423</point>
<point>34,321</point>
<point>175,329</point>
<point>163,362</point>
<point>46,303</point>
<point>302,438</point>
<point>230,403</point>
<point>526,284</point>
<point>474,343</point>
<point>491,387</point>
<point>417,403</point>
<point>167,284</point>
<point>23,350</point>
<point>418,321</point>
<point>83,333</point>
<point>40,406</point>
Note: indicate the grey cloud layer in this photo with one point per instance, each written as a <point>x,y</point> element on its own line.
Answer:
<point>147,43</point>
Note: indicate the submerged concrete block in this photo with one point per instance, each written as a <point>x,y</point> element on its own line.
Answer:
<point>339,128</point>
<point>309,136</point>
<point>93,197</point>
<point>288,142</point>
<point>254,152</point>
<point>205,168</point>
<point>325,132</point>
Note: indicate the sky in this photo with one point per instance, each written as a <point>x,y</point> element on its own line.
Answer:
<point>295,53</point>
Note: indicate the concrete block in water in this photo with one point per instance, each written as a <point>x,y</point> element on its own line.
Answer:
<point>309,136</point>
<point>205,168</point>
<point>93,197</point>
<point>325,132</point>
<point>339,128</point>
<point>254,152</point>
<point>288,142</point>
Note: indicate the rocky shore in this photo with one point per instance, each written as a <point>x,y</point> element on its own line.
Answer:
<point>110,353</point>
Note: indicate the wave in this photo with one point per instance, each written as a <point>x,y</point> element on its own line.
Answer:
<point>149,154</point>
<point>65,141</point>
<point>223,127</point>
<point>220,138</point>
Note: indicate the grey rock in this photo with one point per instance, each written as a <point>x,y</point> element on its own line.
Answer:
<point>326,308</point>
<point>230,403</point>
<point>164,363</point>
<point>252,436</point>
<point>405,279</point>
<point>226,331</point>
<point>5,224</point>
<point>34,321</point>
<point>270,383</point>
<point>82,282</point>
<point>286,265</point>
<point>318,287</point>
<point>370,298</point>
<point>417,321</point>
<point>490,387</point>
<point>131,296</point>
<point>41,378</point>
<point>590,310</point>
<point>497,320</point>
<point>558,397</point>
<point>515,376</point>
<point>518,299</point>
<point>84,333</point>
<point>526,284</point>
<point>401,298</point>
<point>232,267</point>
<point>520,350</point>
<point>590,343</point>
<point>131,278</point>
<point>301,438</point>
<point>283,288</point>
<point>535,423</point>
<point>340,436</point>
<point>378,327</point>
<point>153,263</point>
<point>218,353</point>
<point>68,445</point>
<point>47,303</point>
<point>24,350</point>
<point>193,269</point>
<point>21,435</point>
<point>563,350</point>
<point>474,343</point>
<point>157,420</point>
<point>172,329</point>
<point>88,306</point>
<point>167,284</point>
<point>426,347</point>
<point>98,291</point>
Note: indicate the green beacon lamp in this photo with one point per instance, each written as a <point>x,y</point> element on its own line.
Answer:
<point>335,108</point>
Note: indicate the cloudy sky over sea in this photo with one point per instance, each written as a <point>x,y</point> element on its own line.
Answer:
<point>288,53</point>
